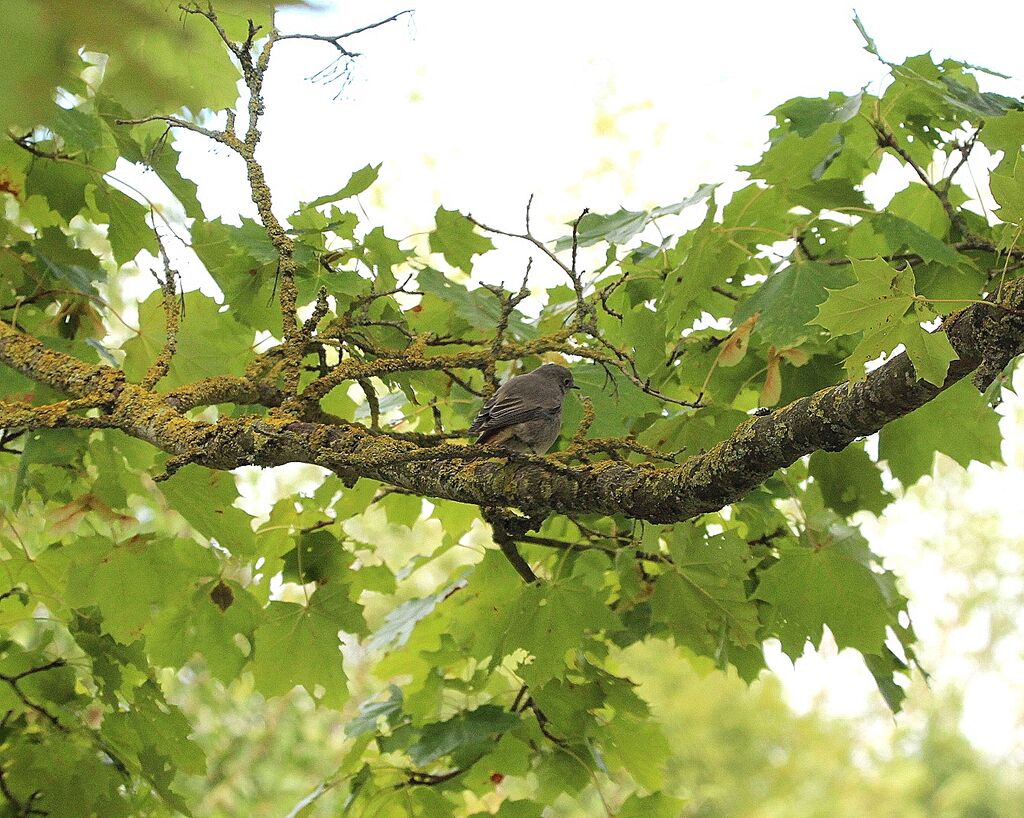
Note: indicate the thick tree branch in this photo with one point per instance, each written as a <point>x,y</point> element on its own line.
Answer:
<point>986,337</point>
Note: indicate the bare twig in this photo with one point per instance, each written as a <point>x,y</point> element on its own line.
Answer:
<point>27,143</point>
<point>965,154</point>
<point>582,307</point>
<point>177,122</point>
<point>335,39</point>
<point>886,139</point>
<point>508,302</point>
<point>527,236</point>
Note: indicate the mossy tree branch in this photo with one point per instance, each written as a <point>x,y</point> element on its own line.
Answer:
<point>985,337</point>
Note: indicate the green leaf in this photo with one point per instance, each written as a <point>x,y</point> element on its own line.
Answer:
<point>547,622</point>
<point>930,352</point>
<point>371,712</point>
<point>849,480</point>
<point>788,300</point>
<point>62,184</point>
<point>514,809</point>
<point>802,588</point>
<point>869,43</point>
<point>357,183</point>
<point>86,133</point>
<point>615,228</point>
<point>702,194</point>
<point>884,668</point>
<point>243,262</point>
<point>919,206</point>
<point>1006,134</point>
<point>645,330</point>
<point>47,446</point>
<point>165,160</point>
<point>509,755</point>
<point>871,345</point>
<point>493,586</point>
<point>399,622</point>
<point>904,235</point>
<point>804,115</point>
<point>383,252</point>
<point>693,431</point>
<point>620,406</point>
<point>128,232</point>
<point>881,296</point>
<point>639,746</point>
<point>657,805</point>
<point>462,736</point>
<point>209,342</point>
<point>456,238</point>
<point>208,622</point>
<point>478,308</point>
<point>317,557</point>
<point>713,258</point>
<point>65,264</point>
<point>215,517</point>
<point>1008,190</point>
<point>986,104</point>
<point>128,581</point>
<point>909,444</point>
<point>309,631</point>
<point>704,600</point>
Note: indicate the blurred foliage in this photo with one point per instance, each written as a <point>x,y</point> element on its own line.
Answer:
<point>375,652</point>
<point>156,56</point>
<point>734,751</point>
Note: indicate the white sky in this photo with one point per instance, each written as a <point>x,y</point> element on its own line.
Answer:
<point>588,104</point>
<point>478,105</point>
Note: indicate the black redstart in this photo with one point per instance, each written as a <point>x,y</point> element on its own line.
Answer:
<point>525,413</point>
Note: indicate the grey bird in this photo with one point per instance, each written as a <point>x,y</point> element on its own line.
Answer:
<point>525,413</point>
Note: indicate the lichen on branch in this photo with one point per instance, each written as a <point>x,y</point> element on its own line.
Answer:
<point>985,336</point>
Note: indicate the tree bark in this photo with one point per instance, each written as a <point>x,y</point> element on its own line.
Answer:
<point>986,338</point>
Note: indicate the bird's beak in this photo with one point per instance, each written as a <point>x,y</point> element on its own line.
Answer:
<point>574,386</point>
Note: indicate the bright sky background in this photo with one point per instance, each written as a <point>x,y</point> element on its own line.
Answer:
<point>591,104</point>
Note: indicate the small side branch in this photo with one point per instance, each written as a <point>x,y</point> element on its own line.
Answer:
<point>414,778</point>
<point>20,808</point>
<point>887,139</point>
<point>254,62</point>
<point>172,319</point>
<point>13,680</point>
<point>529,237</point>
<point>372,402</point>
<point>965,155</point>
<point>177,122</point>
<point>335,39</point>
<point>508,302</point>
<point>27,143</point>
<point>59,415</point>
<point>506,527</point>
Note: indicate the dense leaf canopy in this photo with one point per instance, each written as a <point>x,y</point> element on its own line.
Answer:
<point>702,491</point>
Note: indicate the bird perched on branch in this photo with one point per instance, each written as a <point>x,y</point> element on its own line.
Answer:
<point>525,413</point>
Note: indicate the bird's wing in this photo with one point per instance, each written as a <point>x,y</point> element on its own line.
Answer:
<point>509,407</point>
